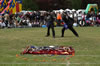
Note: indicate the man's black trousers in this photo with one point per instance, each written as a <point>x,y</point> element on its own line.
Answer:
<point>70,28</point>
<point>48,30</point>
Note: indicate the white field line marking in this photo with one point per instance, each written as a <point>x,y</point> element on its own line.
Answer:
<point>84,63</point>
<point>89,55</point>
<point>68,63</point>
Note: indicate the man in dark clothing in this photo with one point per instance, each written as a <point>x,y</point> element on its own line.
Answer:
<point>50,19</point>
<point>68,25</point>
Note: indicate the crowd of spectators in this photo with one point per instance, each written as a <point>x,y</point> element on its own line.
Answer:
<point>21,20</point>
<point>38,18</point>
<point>89,19</point>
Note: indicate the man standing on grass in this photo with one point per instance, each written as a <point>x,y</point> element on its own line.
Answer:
<point>50,19</point>
<point>68,24</point>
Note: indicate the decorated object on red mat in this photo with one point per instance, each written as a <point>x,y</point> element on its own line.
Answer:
<point>52,50</point>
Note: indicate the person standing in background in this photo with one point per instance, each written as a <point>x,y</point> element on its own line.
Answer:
<point>59,18</point>
<point>6,19</point>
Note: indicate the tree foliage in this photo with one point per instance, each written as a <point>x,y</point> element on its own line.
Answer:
<point>62,4</point>
<point>76,4</point>
<point>29,5</point>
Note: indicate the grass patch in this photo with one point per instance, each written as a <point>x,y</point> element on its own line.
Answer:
<point>87,46</point>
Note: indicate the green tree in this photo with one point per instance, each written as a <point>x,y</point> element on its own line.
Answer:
<point>76,4</point>
<point>29,5</point>
<point>34,5</point>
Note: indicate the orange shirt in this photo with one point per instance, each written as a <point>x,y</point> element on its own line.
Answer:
<point>59,17</point>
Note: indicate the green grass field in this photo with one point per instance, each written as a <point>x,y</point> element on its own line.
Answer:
<point>87,47</point>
